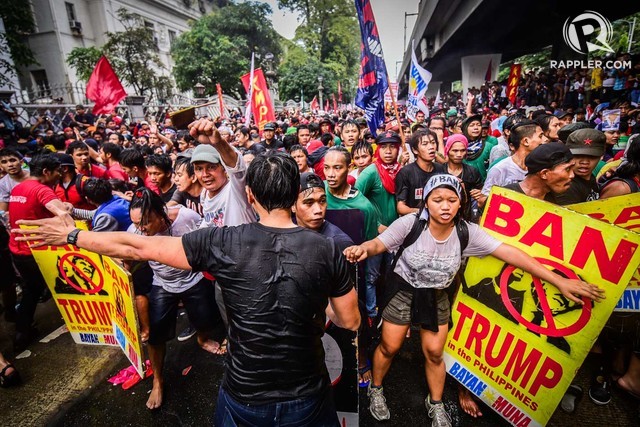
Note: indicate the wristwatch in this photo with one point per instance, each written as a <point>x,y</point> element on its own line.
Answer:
<point>72,237</point>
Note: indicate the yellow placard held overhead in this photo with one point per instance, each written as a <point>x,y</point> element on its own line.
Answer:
<point>516,341</point>
<point>623,211</point>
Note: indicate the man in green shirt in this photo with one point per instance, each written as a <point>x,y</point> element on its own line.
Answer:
<point>341,195</point>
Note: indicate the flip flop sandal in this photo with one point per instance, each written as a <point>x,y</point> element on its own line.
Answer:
<point>361,372</point>
<point>571,398</point>
<point>9,380</point>
<point>222,350</point>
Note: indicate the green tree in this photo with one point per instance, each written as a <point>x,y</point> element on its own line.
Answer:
<point>328,35</point>
<point>132,53</point>
<point>18,23</point>
<point>217,48</point>
<point>83,60</point>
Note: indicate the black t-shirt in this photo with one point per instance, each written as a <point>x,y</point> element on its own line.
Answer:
<point>410,182</point>
<point>276,144</point>
<point>334,232</point>
<point>188,201</point>
<point>515,186</point>
<point>86,118</point>
<point>275,284</point>
<point>580,191</point>
<point>256,149</point>
<point>166,197</point>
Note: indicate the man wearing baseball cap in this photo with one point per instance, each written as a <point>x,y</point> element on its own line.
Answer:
<point>587,147</point>
<point>270,142</point>
<point>549,172</point>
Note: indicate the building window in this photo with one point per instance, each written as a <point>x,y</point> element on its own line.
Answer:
<point>71,11</point>
<point>41,83</point>
<point>172,38</point>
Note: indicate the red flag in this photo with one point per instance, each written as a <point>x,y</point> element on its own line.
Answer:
<point>326,105</point>
<point>261,105</point>
<point>220,102</point>
<point>104,88</point>
<point>339,92</point>
<point>314,104</point>
<point>512,82</point>
<point>487,75</point>
<point>335,104</point>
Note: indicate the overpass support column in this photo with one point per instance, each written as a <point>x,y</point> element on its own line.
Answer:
<point>433,88</point>
<point>474,70</point>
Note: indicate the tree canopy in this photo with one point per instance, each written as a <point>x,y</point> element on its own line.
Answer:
<point>18,24</point>
<point>218,46</point>
<point>326,42</point>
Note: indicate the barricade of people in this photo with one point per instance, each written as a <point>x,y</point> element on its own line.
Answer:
<point>415,182</point>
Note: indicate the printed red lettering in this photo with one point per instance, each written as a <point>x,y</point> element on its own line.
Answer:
<point>553,240</point>
<point>611,269</point>
<point>549,376</point>
<point>502,348</point>
<point>627,215</point>
<point>480,329</point>
<point>75,307</point>
<point>518,366</point>
<point>465,313</point>
<point>502,216</point>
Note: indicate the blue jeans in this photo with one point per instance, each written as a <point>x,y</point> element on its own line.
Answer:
<point>373,266</point>
<point>312,411</point>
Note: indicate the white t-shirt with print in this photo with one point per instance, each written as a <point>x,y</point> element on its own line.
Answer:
<point>230,206</point>
<point>431,263</point>
<point>504,173</point>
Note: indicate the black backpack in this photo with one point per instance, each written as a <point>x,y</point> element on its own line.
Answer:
<point>419,225</point>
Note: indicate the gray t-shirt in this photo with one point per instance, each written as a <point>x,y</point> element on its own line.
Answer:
<point>431,263</point>
<point>503,173</point>
<point>6,185</point>
<point>172,279</point>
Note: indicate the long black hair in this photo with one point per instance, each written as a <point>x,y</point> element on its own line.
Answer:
<point>148,201</point>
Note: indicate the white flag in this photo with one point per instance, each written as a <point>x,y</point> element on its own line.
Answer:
<point>419,79</point>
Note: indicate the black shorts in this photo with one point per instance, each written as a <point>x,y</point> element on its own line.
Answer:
<point>199,303</point>
<point>7,271</point>
<point>142,277</point>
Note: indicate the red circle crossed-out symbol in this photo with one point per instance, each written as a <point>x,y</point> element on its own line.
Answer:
<point>551,330</point>
<point>95,288</point>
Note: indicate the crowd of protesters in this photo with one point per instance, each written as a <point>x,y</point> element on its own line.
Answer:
<point>152,179</point>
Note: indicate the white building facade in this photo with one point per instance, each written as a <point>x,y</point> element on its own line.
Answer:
<point>62,25</point>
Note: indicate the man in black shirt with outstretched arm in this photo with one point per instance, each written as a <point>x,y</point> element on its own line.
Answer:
<point>276,279</point>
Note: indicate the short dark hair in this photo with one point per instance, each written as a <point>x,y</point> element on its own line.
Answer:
<point>113,149</point>
<point>9,152</point>
<point>299,147</point>
<point>118,134</point>
<point>301,127</point>
<point>362,146</point>
<point>186,162</point>
<point>97,190</point>
<point>39,163</point>
<point>274,180</point>
<point>340,149</point>
<point>160,161</point>
<point>58,141</point>
<point>76,145</point>
<point>132,157</point>
<point>416,137</point>
<point>524,129</point>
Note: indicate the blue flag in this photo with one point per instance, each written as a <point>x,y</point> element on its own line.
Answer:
<point>372,83</point>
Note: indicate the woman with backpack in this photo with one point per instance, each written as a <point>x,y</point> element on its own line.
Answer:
<point>430,246</point>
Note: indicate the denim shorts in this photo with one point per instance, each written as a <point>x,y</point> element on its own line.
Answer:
<point>398,310</point>
<point>199,303</point>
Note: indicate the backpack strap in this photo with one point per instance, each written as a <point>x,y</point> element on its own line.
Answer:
<point>462,228</point>
<point>418,227</point>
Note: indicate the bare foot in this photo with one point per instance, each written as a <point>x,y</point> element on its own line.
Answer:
<point>626,385</point>
<point>222,349</point>
<point>365,377</point>
<point>144,336</point>
<point>155,398</point>
<point>467,402</point>
<point>211,346</point>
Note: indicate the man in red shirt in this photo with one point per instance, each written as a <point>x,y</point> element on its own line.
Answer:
<point>110,154</point>
<point>80,153</point>
<point>132,162</point>
<point>32,199</point>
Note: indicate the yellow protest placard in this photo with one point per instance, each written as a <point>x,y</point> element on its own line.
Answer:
<point>95,297</point>
<point>517,342</point>
<point>623,211</point>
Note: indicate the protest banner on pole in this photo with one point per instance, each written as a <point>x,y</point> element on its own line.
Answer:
<point>261,105</point>
<point>623,211</point>
<point>95,297</point>
<point>517,342</point>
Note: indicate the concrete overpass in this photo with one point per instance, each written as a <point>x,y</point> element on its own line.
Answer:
<point>446,31</point>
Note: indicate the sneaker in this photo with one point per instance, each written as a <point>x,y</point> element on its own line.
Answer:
<point>187,333</point>
<point>378,404</point>
<point>437,413</point>
<point>599,392</point>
